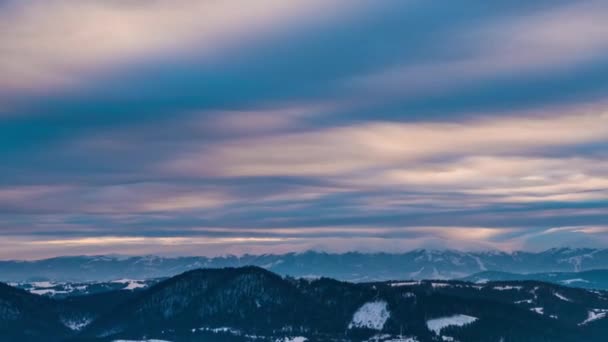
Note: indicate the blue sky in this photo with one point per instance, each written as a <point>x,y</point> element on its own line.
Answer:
<point>208,127</point>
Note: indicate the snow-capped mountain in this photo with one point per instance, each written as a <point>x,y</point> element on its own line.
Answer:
<point>253,304</point>
<point>417,264</point>
<point>594,279</point>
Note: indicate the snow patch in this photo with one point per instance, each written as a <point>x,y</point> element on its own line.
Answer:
<point>570,281</point>
<point>538,310</point>
<point>292,339</point>
<point>438,285</point>
<point>507,288</point>
<point>152,340</point>
<point>594,315</point>
<point>43,284</point>
<point>405,283</point>
<point>131,284</point>
<point>437,324</point>
<point>77,325</point>
<point>49,292</point>
<point>371,315</point>
<point>402,339</point>
<point>391,338</point>
<point>526,301</point>
<point>134,285</point>
<point>562,297</point>
<point>227,330</point>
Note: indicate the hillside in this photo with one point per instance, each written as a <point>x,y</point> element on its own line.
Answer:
<point>594,279</point>
<point>251,303</point>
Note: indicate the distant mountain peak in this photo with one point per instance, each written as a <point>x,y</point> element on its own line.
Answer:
<point>352,266</point>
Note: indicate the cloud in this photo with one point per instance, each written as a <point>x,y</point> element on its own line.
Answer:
<point>395,124</point>
<point>46,44</point>
<point>549,40</point>
<point>111,199</point>
<point>173,241</point>
<point>576,236</point>
<point>453,237</point>
<point>359,148</point>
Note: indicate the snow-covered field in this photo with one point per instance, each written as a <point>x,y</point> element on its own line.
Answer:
<point>405,283</point>
<point>131,284</point>
<point>77,324</point>
<point>507,288</point>
<point>437,324</point>
<point>371,315</point>
<point>66,289</point>
<point>293,339</point>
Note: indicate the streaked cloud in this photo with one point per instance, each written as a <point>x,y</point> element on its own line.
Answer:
<point>58,42</point>
<point>357,148</point>
<point>168,126</point>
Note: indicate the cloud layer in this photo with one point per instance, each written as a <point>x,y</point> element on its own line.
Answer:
<point>188,127</point>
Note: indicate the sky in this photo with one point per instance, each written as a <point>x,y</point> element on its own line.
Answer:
<point>183,127</point>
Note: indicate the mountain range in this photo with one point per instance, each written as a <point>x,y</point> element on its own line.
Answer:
<point>355,267</point>
<point>594,279</point>
<point>254,304</point>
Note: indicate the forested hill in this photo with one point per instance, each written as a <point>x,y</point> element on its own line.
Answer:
<point>254,304</point>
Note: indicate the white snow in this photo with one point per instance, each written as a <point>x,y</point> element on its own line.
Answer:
<point>43,284</point>
<point>402,339</point>
<point>437,285</point>
<point>392,338</point>
<point>47,292</point>
<point>76,325</point>
<point>405,283</point>
<point>131,284</point>
<point>292,339</point>
<point>152,340</point>
<point>539,310</point>
<point>311,277</point>
<point>134,285</point>
<point>220,330</point>
<point>562,297</point>
<point>527,301</point>
<point>570,281</point>
<point>533,292</point>
<point>507,288</point>
<point>437,324</point>
<point>594,314</point>
<point>371,315</point>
